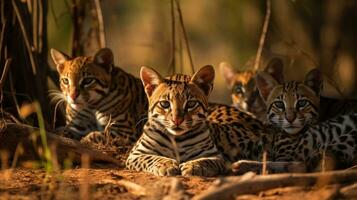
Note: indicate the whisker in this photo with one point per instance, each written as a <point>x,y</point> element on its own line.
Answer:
<point>141,120</point>
<point>55,113</point>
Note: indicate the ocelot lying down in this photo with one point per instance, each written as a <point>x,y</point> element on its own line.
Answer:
<point>245,94</point>
<point>186,135</point>
<point>293,110</point>
<point>98,94</point>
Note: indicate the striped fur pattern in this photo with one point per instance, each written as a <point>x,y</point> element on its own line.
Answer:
<point>98,94</point>
<point>293,109</point>
<point>244,93</point>
<point>176,138</point>
<point>185,134</point>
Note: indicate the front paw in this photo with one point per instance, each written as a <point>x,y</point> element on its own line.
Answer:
<point>193,169</point>
<point>94,138</point>
<point>203,167</point>
<point>167,168</point>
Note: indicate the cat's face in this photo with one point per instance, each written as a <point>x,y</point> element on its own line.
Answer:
<point>178,102</point>
<point>292,105</point>
<point>242,83</point>
<point>84,80</point>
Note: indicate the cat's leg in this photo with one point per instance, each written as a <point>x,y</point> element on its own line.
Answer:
<point>95,138</point>
<point>244,166</point>
<point>209,166</point>
<point>78,123</point>
<point>157,165</point>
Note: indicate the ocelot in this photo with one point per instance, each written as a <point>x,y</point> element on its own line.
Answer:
<point>293,109</point>
<point>100,95</point>
<point>186,135</point>
<point>244,92</point>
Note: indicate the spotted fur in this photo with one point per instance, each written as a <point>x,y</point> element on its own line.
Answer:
<point>294,105</point>
<point>98,94</point>
<point>293,109</point>
<point>185,134</point>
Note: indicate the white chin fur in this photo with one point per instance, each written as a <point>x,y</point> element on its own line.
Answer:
<point>172,132</point>
<point>75,106</point>
<point>292,130</point>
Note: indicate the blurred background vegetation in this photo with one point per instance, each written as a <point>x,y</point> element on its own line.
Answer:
<point>305,33</point>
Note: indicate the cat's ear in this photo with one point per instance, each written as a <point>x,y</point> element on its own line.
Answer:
<point>59,58</point>
<point>150,78</point>
<point>265,84</point>
<point>104,57</point>
<point>204,79</point>
<point>227,72</point>
<point>276,70</point>
<point>314,80</point>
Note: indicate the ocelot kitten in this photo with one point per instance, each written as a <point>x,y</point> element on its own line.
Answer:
<point>293,109</point>
<point>98,94</point>
<point>244,92</point>
<point>185,135</point>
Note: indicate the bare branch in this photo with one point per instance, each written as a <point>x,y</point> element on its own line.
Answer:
<point>263,35</point>
<point>235,186</point>
<point>100,24</point>
<point>5,72</point>
<point>25,35</point>
<point>185,35</point>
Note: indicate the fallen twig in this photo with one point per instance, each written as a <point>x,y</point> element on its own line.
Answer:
<point>14,134</point>
<point>130,186</point>
<point>232,188</point>
<point>349,191</point>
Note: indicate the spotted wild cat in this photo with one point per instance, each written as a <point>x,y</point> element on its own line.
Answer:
<point>244,93</point>
<point>293,109</point>
<point>97,94</point>
<point>185,134</point>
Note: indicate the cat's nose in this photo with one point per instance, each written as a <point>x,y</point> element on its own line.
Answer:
<point>290,118</point>
<point>74,95</point>
<point>177,120</point>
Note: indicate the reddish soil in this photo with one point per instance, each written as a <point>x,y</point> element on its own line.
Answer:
<point>81,183</point>
<point>22,183</point>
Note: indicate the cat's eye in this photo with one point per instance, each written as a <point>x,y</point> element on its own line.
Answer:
<point>87,81</point>
<point>164,104</point>
<point>279,105</point>
<point>191,104</point>
<point>65,81</point>
<point>238,88</point>
<point>301,104</point>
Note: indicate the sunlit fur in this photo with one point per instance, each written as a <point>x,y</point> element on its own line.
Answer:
<point>178,91</point>
<point>241,84</point>
<point>78,70</point>
<point>97,93</point>
<point>298,109</point>
<point>176,138</point>
<point>244,93</point>
<point>205,132</point>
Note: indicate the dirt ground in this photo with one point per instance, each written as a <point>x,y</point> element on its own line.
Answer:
<point>113,183</point>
